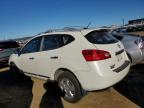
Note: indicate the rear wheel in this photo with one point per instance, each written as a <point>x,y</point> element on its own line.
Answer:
<point>70,86</point>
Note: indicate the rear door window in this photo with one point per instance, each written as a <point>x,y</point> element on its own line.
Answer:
<point>56,41</point>
<point>51,42</point>
<point>100,37</point>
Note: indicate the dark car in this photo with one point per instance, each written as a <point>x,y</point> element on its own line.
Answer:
<point>6,49</point>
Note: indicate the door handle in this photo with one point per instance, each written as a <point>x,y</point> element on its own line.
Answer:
<point>31,58</point>
<point>54,57</point>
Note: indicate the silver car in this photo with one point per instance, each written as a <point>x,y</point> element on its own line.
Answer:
<point>134,46</point>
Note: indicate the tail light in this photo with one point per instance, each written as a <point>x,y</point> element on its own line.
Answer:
<point>95,55</point>
<point>139,42</point>
<point>1,49</point>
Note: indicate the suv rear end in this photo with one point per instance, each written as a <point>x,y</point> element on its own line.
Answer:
<point>107,60</point>
<point>95,59</point>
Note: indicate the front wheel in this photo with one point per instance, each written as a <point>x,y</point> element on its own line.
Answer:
<point>16,74</point>
<point>70,86</point>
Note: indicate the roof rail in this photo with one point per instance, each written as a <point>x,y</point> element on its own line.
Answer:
<point>64,29</point>
<point>72,28</point>
<point>75,28</point>
<point>50,30</point>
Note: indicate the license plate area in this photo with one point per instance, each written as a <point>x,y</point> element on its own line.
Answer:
<point>119,57</point>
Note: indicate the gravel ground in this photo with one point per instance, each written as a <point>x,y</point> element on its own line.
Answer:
<point>15,93</point>
<point>132,86</point>
<point>141,33</point>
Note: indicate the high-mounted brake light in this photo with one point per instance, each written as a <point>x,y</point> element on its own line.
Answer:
<point>95,55</point>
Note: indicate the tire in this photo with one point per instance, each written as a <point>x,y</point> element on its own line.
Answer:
<point>15,72</point>
<point>70,86</point>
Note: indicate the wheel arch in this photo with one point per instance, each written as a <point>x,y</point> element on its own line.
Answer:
<point>61,70</point>
<point>12,64</point>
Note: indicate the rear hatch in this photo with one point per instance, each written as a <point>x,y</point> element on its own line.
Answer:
<point>104,41</point>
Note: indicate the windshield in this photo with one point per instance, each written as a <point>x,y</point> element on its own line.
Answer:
<point>100,37</point>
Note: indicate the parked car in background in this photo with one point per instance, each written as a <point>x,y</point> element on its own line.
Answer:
<point>78,59</point>
<point>6,49</point>
<point>134,46</point>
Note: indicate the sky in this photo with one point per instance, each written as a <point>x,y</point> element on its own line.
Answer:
<point>22,18</point>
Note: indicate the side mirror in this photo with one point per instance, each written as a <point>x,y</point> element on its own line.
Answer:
<point>18,51</point>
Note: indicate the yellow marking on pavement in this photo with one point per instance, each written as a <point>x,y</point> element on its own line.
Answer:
<point>4,69</point>
<point>38,91</point>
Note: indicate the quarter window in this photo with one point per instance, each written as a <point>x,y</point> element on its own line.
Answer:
<point>67,39</point>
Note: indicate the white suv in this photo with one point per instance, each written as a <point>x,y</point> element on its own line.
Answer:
<point>78,59</point>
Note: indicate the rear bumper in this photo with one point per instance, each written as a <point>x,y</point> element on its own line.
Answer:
<point>95,80</point>
<point>122,67</point>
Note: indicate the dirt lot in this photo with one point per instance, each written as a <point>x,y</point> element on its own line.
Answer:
<point>103,99</point>
<point>139,33</point>
<point>18,94</point>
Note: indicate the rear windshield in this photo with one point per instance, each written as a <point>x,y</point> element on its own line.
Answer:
<point>6,45</point>
<point>100,37</point>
